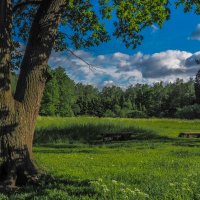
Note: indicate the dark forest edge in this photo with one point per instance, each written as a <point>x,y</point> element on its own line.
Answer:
<point>63,97</point>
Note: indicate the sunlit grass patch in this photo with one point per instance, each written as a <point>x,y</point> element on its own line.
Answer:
<point>163,167</point>
<point>151,170</point>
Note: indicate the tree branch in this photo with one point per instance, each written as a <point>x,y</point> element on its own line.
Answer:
<point>91,67</point>
<point>25,3</point>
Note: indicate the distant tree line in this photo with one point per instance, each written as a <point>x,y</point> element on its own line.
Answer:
<point>63,97</point>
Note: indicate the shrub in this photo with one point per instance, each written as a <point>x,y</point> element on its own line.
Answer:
<point>189,112</point>
<point>124,113</point>
<point>136,114</point>
<point>109,113</point>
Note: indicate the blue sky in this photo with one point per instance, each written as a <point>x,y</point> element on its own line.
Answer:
<point>173,35</point>
<point>165,54</point>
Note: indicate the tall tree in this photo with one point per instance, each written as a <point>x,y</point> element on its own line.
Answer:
<point>111,96</point>
<point>43,25</point>
<point>50,98</point>
<point>59,95</point>
<point>87,100</point>
<point>197,87</point>
<point>66,92</point>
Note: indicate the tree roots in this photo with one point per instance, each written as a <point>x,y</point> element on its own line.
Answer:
<point>13,176</point>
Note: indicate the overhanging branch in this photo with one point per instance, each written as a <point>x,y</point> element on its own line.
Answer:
<point>91,67</point>
<point>25,3</point>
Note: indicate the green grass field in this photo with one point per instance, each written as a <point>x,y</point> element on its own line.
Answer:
<point>155,165</point>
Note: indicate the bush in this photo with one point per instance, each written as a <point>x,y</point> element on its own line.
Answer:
<point>109,113</point>
<point>189,112</point>
<point>124,113</point>
<point>136,114</point>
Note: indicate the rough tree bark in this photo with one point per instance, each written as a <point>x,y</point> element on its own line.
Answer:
<point>18,114</point>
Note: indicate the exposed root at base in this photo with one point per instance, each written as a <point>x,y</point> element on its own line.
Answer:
<point>19,176</point>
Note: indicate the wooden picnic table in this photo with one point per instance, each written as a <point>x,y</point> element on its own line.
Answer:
<point>108,137</point>
<point>190,135</point>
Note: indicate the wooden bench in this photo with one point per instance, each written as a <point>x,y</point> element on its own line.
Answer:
<point>190,135</point>
<point>109,137</point>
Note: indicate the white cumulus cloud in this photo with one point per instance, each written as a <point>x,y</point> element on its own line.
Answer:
<point>123,69</point>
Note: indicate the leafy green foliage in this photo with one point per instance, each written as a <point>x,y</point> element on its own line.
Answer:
<point>136,114</point>
<point>179,95</point>
<point>62,97</point>
<point>59,95</point>
<point>88,100</point>
<point>66,91</point>
<point>133,16</point>
<point>189,112</point>
<point>83,22</point>
<point>189,5</point>
<point>50,99</point>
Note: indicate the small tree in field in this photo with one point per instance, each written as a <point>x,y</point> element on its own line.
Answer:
<point>43,25</point>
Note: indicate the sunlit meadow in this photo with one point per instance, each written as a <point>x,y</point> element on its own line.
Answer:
<point>156,164</point>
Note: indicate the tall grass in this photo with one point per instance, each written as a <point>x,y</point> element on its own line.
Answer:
<point>84,129</point>
<point>90,129</point>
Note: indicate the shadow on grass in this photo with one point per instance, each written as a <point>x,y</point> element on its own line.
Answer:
<point>52,188</point>
<point>65,150</point>
<point>185,153</point>
<point>80,138</point>
<point>186,142</point>
<point>140,143</point>
<point>90,134</point>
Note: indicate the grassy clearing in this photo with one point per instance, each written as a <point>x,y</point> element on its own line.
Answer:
<point>85,130</point>
<point>163,171</point>
<point>88,129</point>
<point>158,167</point>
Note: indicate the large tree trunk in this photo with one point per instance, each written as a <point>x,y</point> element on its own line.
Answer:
<point>18,114</point>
